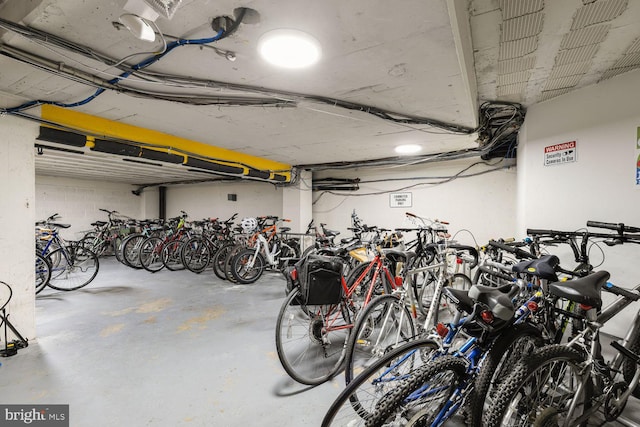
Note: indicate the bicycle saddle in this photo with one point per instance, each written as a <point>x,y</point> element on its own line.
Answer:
<point>285,229</point>
<point>460,297</point>
<point>55,224</point>
<point>497,299</point>
<point>585,290</point>
<point>396,255</point>
<point>98,223</point>
<point>348,240</point>
<point>543,267</point>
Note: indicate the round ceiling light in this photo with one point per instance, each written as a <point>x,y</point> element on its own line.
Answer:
<point>289,48</point>
<point>408,149</point>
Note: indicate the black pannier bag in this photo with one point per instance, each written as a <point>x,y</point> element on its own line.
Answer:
<point>321,280</point>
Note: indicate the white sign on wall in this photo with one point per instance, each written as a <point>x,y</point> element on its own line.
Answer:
<point>557,154</point>
<point>400,200</point>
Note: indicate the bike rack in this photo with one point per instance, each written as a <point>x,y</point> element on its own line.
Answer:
<point>10,348</point>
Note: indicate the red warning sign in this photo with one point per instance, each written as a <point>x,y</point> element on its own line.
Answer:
<point>565,152</point>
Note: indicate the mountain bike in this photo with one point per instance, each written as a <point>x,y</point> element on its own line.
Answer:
<point>565,384</point>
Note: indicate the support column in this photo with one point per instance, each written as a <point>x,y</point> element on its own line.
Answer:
<point>297,202</point>
<point>17,216</point>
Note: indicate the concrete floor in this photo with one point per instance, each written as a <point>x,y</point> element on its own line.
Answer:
<point>166,349</point>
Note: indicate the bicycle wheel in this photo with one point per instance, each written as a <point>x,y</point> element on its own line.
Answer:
<point>76,268</point>
<point>542,387</point>
<point>420,399</point>
<point>310,339</point>
<point>228,274</point>
<point>506,351</point>
<point>131,250</point>
<point>151,254</point>
<point>357,402</point>
<point>384,324</point>
<point>219,259</point>
<point>43,273</point>
<point>172,255</point>
<point>196,254</point>
<point>247,266</point>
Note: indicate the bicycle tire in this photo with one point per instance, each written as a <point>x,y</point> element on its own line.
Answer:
<point>196,254</point>
<point>356,403</point>
<point>553,370</point>
<point>228,274</point>
<point>131,250</point>
<point>310,351</point>
<point>218,261</point>
<point>420,399</point>
<point>43,273</point>
<point>384,324</point>
<point>247,266</point>
<point>77,267</point>
<point>151,254</point>
<point>510,346</point>
<point>172,255</point>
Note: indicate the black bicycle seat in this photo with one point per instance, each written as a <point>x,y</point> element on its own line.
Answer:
<point>585,290</point>
<point>460,297</point>
<point>497,299</point>
<point>543,267</point>
<point>98,223</point>
<point>397,255</point>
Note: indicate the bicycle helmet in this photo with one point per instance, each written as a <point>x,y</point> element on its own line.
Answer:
<point>248,224</point>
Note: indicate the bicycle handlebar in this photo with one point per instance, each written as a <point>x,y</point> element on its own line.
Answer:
<point>512,249</point>
<point>610,287</point>
<point>619,227</point>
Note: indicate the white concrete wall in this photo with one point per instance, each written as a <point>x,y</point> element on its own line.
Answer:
<point>604,120</point>
<point>78,202</point>
<point>17,215</point>
<point>209,200</point>
<point>483,204</point>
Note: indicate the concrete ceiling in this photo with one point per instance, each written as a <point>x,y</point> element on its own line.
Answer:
<point>436,60</point>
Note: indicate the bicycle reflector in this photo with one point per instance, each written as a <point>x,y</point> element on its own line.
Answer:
<point>487,316</point>
<point>398,281</point>
<point>294,274</point>
<point>442,330</point>
<point>532,306</point>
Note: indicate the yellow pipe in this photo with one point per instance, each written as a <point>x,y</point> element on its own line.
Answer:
<point>157,140</point>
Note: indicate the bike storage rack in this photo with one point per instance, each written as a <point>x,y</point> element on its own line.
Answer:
<point>10,348</point>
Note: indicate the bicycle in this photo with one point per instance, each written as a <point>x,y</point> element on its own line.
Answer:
<point>72,265</point>
<point>267,249</point>
<point>404,382</point>
<point>311,333</point>
<point>198,251</point>
<point>106,237</point>
<point>567,383</point>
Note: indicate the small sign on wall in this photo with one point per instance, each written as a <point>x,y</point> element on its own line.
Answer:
<point>557,154</point>
<point>400,200</point>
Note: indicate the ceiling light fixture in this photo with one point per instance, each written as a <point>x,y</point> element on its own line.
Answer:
<point>289,48</point>
<point>408,149</point>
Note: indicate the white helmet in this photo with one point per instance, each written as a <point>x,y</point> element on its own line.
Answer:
<point>248,224</point>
